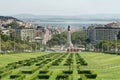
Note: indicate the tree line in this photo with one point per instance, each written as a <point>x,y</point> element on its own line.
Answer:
<point>13,44</point>
<point>77,38</point>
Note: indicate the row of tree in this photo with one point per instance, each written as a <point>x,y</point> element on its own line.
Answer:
<point>77,38</point>
<point>12,44</point>
<point>80,38</point>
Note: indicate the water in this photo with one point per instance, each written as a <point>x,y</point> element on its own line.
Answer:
<point>71,23</point>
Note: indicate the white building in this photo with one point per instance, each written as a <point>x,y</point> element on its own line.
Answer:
<point>102,33</point>
<point>25,33</point>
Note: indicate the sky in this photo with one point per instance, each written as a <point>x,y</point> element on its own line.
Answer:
<point>59,7</point>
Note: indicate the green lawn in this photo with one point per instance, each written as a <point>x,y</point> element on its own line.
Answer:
<point>9,58</point>
<point>106,66</point>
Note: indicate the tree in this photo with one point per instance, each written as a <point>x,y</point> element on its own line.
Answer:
<point>61,39</point>
<point>58,39</point>
<point>80,38</point>
<point>118,35</point>
<point>13,25</point>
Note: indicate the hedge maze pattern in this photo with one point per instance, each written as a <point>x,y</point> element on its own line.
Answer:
<point>53,66</point>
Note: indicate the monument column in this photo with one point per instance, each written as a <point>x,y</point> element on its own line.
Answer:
<point>69,43</point>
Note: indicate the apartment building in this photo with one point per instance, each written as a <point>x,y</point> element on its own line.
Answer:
<point>25,33</point>
<point>102,32</point>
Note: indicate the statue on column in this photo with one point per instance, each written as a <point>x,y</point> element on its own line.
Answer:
<point>69,43</point>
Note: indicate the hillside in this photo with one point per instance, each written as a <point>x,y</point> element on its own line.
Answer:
<point>5,18</point>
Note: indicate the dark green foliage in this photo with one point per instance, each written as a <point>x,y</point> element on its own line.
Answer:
<point>5,37</point>
<point>20,62</point>
<point>83,77</point>
<point>43,76</point>
<point>118,35</point>
<point>13,25</point>
<point>62,77</point>
<point>27,64</point>
<point>91,76</point>
<point>79,37</point>
<point>88,74</point>
<point>27,72</point>
<point>67,72</point>
<point>14,76</point>
<point>84,72</point>
<point>5,18</point>
<point>58,39</point>
<point>80,60</point>
<point>76,37</point>
<point>17,77</point>
<point>43,72</point>
<point>55,63</point>
<point>5,73</point>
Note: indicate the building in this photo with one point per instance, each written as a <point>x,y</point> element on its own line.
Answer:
<point>25,34</point>
<point>45,33</point>
<point>98,33</point>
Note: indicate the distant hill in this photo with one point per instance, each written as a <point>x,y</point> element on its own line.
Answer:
<point>5,18</point>
<point>86,17</point>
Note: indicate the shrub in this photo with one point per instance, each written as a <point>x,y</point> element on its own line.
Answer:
<point>67,72</point>
<point>20,62</point>
<point>27,64</point>
<point>14,76</point>
<point>88,74</point>
<point>91,76</point>
<point>21,77</point>
<point>29,71</point>
<point>17,77</point>
<point>62,77</point>
<point>84,72</point>
<point>83,77</point>
<point>43,72</point>
<point>5,74</point>
<point>55,63</point>
<point>43,76</point>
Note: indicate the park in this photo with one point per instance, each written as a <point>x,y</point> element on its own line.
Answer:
<point>59,66</point>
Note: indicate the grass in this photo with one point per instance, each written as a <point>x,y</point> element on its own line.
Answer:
<point>9,58</point>
<point>106,66</point>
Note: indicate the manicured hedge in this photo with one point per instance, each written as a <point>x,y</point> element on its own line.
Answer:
<point>84,72</point>
<point>82,77</point>
<point>14,76</point>
<point>62,77</point>
<point>91,76</point>
<point>17,77</point>
<point>88,74</point>
<point>67,72</point>
<point>29,71</point>
<point>43,76</point>
<point>5,73</point>
<point>43,72</point>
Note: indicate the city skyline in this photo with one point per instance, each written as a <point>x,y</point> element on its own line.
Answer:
<point>59,7</point>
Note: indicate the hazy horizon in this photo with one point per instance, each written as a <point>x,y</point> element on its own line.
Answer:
<point>59,7</point>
